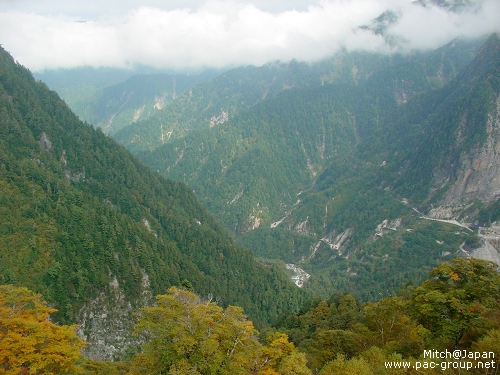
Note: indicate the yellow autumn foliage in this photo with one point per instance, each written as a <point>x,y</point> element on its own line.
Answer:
<point>29,342</point>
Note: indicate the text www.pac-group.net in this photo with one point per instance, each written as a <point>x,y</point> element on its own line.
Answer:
<point>457,359</point>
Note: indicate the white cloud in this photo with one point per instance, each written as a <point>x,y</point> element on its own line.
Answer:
<point>221,33</point>
<point>431,27</point>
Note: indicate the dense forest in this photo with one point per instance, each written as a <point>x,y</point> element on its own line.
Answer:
<point>337,178</point>
<point>448,324</point>
<point>82,219</point>
<point>239,90</point>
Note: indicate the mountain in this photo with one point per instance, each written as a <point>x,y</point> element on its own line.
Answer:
<point>98,234</point>
<point>79,86</point>
<point>139,97</point>
<point>115,98</point>
<point>236,91</point>
<point>419,189</point>
<point>251,169</point>
<point>458,141</point>
<point>339,178</point>
<point>283,143</point>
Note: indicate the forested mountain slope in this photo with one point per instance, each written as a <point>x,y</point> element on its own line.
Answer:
<point>249,170</point>
<point>434,155</point>
<point>87,225</point>
<point>114,98</point>
<point>225,96</point>
<point>454,157</point>
<point>140,97</point>
<point>327,177</point>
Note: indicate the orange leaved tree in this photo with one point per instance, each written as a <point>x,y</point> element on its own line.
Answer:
<point>29,342</point>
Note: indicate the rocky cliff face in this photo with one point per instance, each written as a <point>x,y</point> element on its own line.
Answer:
<point>478,176</point>
<point>477,179</point>
<point>107,321</point>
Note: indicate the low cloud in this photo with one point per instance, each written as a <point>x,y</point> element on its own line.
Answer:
<point>231,33</point>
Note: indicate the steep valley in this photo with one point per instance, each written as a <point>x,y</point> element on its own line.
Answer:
<point>357,174</point>
<point>326,178</point>
<point>238,187</point>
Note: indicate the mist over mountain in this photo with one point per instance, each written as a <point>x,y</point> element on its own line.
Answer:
<point>188,37</point>
<point>114,98</point>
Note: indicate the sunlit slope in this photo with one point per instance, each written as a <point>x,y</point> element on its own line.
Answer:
<point>82,219</point>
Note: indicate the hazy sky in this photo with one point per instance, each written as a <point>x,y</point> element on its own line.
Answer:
<point>192,34</point>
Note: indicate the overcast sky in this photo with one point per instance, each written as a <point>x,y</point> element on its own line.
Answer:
<point>193,34</point>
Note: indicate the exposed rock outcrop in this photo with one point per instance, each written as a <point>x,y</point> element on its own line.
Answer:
<point>490,238</point>
<point>478,176</point>
<point>45,141</point>
<point>106,322</point>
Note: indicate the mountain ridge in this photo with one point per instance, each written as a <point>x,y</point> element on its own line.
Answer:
<point>237,90</point>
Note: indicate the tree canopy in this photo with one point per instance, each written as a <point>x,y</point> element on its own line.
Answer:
<point>455,299</point>
<point>29,342</point>
<point>185,334</point>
